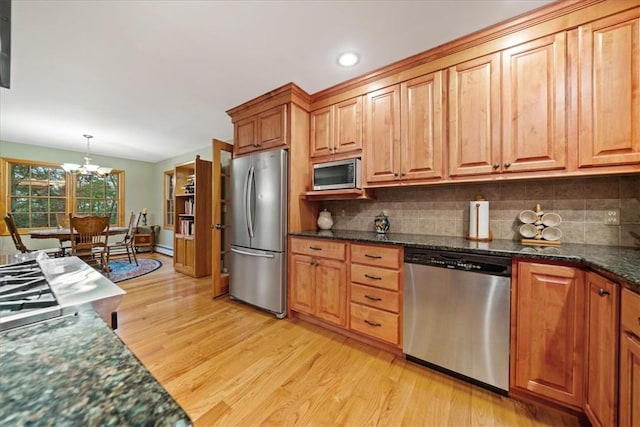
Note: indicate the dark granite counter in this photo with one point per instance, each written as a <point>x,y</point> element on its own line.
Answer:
<point>619,261</point>
<point>75,371</point>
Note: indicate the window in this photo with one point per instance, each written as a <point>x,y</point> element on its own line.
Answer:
<point>169,189</point>
<point>37,191</point>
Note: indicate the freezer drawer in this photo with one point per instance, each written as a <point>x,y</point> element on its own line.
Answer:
<point>258,278</point>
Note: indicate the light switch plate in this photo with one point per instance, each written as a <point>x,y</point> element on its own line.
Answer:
<point>612,217</point>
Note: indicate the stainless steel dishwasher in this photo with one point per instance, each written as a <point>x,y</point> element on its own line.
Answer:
<point>457,313</point>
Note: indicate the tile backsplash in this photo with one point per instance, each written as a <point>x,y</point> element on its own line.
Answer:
<point>444,209</point>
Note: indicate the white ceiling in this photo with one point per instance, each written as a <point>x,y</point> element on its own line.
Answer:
<point>153,79</point>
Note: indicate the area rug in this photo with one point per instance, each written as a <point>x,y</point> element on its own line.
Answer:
<point>122,270</point>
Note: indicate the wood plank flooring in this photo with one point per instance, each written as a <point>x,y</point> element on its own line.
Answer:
<point>228,364</point>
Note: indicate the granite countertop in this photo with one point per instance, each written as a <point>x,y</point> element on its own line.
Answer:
<point>75,371</point>
<point>623,262</point>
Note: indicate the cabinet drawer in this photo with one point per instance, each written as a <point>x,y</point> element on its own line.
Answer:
<point>630,317</point>
<point>373,276</point>
<point>375,323</point>
<point>319,248</point>
<point>379,256</point>
<point>374,297</point>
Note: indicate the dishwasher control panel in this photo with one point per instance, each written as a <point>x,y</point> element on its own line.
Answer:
<point>487,264</point>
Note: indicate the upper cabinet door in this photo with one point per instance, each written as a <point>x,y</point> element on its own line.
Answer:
<point>422,126</point>
<point>272,127</point>
<point>534,133</point>
<point>245,135</point>
<point>321,127</point>
<point>382,134</point>
<point>348,125</point>
<point>474,116</point>
<point>609,91</point>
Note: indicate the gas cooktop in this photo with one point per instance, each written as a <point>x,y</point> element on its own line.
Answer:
<point>44,288</point>
<point>25,295</point>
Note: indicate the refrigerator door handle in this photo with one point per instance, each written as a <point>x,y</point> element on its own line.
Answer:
<point>238,251</point>
<point>249,200</point>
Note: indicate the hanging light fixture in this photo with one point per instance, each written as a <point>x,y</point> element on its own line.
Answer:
<point>87,168</point>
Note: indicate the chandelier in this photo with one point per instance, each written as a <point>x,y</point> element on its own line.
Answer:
<point>87,168</point>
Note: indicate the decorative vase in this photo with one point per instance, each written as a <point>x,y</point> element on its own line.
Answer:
<point>325,221</point>
<point>381,223</point>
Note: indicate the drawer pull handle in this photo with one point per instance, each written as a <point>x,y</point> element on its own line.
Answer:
<point>373,256</point>
<point>372,298</point>
<point>368,276</point>
<point>602,292</point>
<point>369,322</point>
<point>315,248</point>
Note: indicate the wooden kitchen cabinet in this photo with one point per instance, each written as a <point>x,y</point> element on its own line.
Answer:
<point>265,130</point>
<point>629,359</point>
<point>376,292</point>
<point>528,91</point>
<point>192,235</point>
<point>405,130</point>
<point>608,84</point>
<point>318,279</point>
<point>601,369</point>
<point>548,303</point>
<point>336,129</point>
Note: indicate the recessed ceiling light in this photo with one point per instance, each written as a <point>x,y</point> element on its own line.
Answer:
<point>348,59</point>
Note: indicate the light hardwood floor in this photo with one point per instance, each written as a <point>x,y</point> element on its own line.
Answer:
<point>228,364</point>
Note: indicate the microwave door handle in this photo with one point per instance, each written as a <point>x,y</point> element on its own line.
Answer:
<point>249,200</point>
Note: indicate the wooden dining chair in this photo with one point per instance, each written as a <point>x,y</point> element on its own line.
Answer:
<point>17,240</point>
<point>126,244</point>
<point>89,239</point>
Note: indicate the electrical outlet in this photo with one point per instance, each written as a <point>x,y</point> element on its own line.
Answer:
<point>612,217</point>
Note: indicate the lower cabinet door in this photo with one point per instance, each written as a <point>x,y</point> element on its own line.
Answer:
<point>302,291</point>
<point>331,291</point>
<point>629,380</point>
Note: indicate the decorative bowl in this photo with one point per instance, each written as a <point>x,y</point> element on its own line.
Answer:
<point>551,233</point>
<point>528,230</point>
<point>528,217</point>
<point>551,219</point>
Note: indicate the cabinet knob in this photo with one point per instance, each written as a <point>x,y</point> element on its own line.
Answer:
<point>395,174</point>
<point>217,226</point>
<point>495,166</point>
<point>369,276</point>
<point>507,164</point>
<point>315,248</point>
<point>369,322</point>
<point>403,174</point>
<point>602,292</point>
<point>372,298</point>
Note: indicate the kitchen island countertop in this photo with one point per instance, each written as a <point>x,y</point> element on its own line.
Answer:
<point>75,370</point>
<point>622,262</point>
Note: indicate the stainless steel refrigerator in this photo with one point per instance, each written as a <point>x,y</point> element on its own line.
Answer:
<point>258,231</point>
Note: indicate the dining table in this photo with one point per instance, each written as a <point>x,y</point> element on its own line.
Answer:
<point>65,233</point>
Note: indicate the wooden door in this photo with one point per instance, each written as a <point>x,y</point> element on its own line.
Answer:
<point>331,291</point>
<point>609,91</point>
<point>302,283</point>
<point>474,116</point>
<point>321,138</point>
<point>602,344</point>
<point>629,380</point>
<point>549,330</point>
<point>272,127</point>
<point>422,126</point>
<point>221,222</point>
<point>348,125</point>
<point>630,359</point>
<point>534,105</point>
<point>245,135</point>
<point>382,134</point>
<point>189,266</point>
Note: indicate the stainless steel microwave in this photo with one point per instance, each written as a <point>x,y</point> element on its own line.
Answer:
<point>337,175</point>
